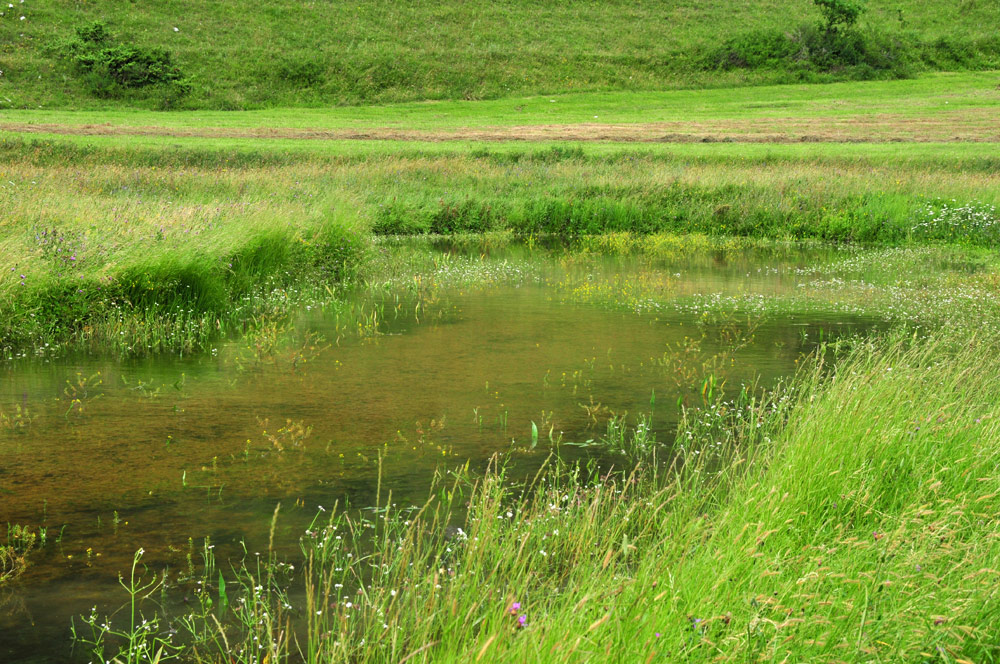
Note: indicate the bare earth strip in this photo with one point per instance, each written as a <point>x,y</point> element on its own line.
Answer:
<point>966,125</point>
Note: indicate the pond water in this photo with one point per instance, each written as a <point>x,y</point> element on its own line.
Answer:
<point>110,456</point>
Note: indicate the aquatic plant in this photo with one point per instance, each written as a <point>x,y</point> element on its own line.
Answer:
<point>141,639</point>
<point>785,521</point>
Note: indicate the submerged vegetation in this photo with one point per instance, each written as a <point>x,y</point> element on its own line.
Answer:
<point>848,514</point>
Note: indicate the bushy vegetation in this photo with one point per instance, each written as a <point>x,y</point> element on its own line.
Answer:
<point>288,53</point>
<point>833,46</point>
<point>112,69</point>
<point>810,51</point>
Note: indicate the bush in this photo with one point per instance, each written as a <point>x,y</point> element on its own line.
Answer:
<point>839,14</point>
<point>110,68</point>
<point>852,54</point>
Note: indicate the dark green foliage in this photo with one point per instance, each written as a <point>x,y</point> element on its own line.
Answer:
<point>301,71</point>
<point>811,49</point>
<point>109,69</point>
<point>949,52</point>
<point>837,48</point>
<point>839,14</point>
<point>728,210</point>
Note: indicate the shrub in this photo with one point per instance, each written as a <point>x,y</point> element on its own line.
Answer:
<point>834,46</point>
<point>110,68</point>
<point>839,14</point>
<point>853,54</point>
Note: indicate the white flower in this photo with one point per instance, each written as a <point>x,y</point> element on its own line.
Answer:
<point>177,29</point>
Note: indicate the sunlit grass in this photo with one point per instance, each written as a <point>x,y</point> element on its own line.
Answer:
<point>96,242</point>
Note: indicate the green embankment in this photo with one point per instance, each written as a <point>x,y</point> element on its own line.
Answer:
<point>289,53</point>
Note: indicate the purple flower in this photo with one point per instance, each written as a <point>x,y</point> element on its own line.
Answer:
<point>514,608</point>
<point>657,635</point>
<point>522,620</point>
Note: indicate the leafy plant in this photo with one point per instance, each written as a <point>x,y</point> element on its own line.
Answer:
<point>839,14</point>
<point>109,68</point>
<point>21,541</point>
<point>140,639</point>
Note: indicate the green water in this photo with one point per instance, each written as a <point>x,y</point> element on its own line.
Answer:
<point>162,453</point>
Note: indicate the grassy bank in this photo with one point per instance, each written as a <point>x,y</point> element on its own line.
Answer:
<point>132,246</point>
<point>290,54</point>
<point>847,516</point>
<point>154,261</point>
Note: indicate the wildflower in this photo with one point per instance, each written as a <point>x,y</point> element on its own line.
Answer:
<point>522,620</point>
<point>514,608</point>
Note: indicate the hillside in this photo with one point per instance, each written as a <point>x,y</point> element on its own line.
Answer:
<point>236,55</point>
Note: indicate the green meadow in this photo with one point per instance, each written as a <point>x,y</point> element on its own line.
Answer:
<point>788,229</point>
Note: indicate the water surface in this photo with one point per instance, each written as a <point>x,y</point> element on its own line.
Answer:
<point>163,453</point>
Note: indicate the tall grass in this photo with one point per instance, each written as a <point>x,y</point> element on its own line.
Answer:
<point>849,515</point>
<point>146,259</point>
<point>161,250</point>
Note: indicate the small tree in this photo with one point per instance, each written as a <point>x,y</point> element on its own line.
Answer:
<point>840,14</point>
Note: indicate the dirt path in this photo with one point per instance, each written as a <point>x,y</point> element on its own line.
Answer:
<point>966,125</point>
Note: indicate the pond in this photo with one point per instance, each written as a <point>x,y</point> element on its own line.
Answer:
<point>466,355</point>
